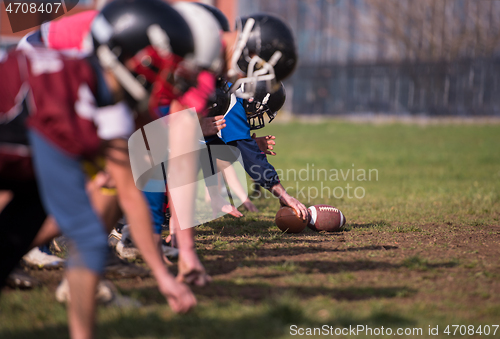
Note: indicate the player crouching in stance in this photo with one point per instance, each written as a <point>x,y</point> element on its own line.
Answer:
<point>265,50</point>
<point>244,116</point>
<point>63,129</point>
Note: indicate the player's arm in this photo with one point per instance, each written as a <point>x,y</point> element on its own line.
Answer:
<point>134,205</point>
<point>287,200</point>
<point>182,139</point>
<point>263,173</point>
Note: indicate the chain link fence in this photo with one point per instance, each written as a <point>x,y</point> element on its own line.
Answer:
<point>461,88</point>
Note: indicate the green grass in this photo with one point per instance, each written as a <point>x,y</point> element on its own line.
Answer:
<point>420,248</point>
<point>425,174</point>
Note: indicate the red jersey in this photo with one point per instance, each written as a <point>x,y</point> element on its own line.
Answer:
<point>71,34</point>
<point>60,93</point>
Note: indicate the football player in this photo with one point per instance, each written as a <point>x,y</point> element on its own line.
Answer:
<point>244,116</point>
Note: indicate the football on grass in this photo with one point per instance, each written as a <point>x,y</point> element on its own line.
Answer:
<point>288,221</point>
<point>325,218</point>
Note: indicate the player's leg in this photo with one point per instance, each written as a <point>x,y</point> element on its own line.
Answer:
<point>156,202</point>
<point>235,184</point>
<point>62,188</point>
<point>104,200</point>
<point>105,203</point>
<point>82,305</point>
<point>213,183</point>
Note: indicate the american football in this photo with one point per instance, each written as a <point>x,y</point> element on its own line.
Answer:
<point>288,221</point>
<point>325,218</point>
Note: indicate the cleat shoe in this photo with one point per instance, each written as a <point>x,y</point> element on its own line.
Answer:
<point>19,278</point>
<point>126,250</point>
<point>119,268</point>
<point>125,247</point>
<point>59,245</point>
<point>169,251</point>
<point>38,259</point>
<point>114,237</point>
<point>105,293</point>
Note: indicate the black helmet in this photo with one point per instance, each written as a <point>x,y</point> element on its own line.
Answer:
<point>263,102</point>
<point>265,51</point>
<point>217,13</point>
<point>221,100</point>
<point>139,40</point>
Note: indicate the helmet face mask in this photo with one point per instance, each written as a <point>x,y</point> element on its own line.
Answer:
<point>263,103</point>
<point>255,114</point>
<point>264,74</point>
<point>243,36</point>
<point>257,69</point>
<point>157,74</point>
<point>264,52</point>
<point>143,43</point>
<point>135,92</point>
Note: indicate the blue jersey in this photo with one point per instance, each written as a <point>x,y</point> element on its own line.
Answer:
<point>237,134</point>
<point>237,127</point>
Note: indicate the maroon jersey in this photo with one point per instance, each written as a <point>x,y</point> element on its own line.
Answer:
<point>60,93</point>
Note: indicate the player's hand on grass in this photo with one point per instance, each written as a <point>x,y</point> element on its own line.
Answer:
<point>249,206</point>
<point>266,144</point>
<point>179,296</point>
<point>212,125</point>
<point>220,204</point>
<point>191,271</point>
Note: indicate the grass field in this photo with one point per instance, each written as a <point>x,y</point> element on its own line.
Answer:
<point>421,247</point>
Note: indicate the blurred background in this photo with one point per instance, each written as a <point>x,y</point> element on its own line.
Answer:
<point>366,57</point>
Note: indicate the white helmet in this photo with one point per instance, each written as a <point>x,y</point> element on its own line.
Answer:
<point>206,33</point>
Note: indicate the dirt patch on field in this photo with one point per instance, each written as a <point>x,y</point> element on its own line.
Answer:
<point>425,262</point>
<point>431,262</point>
